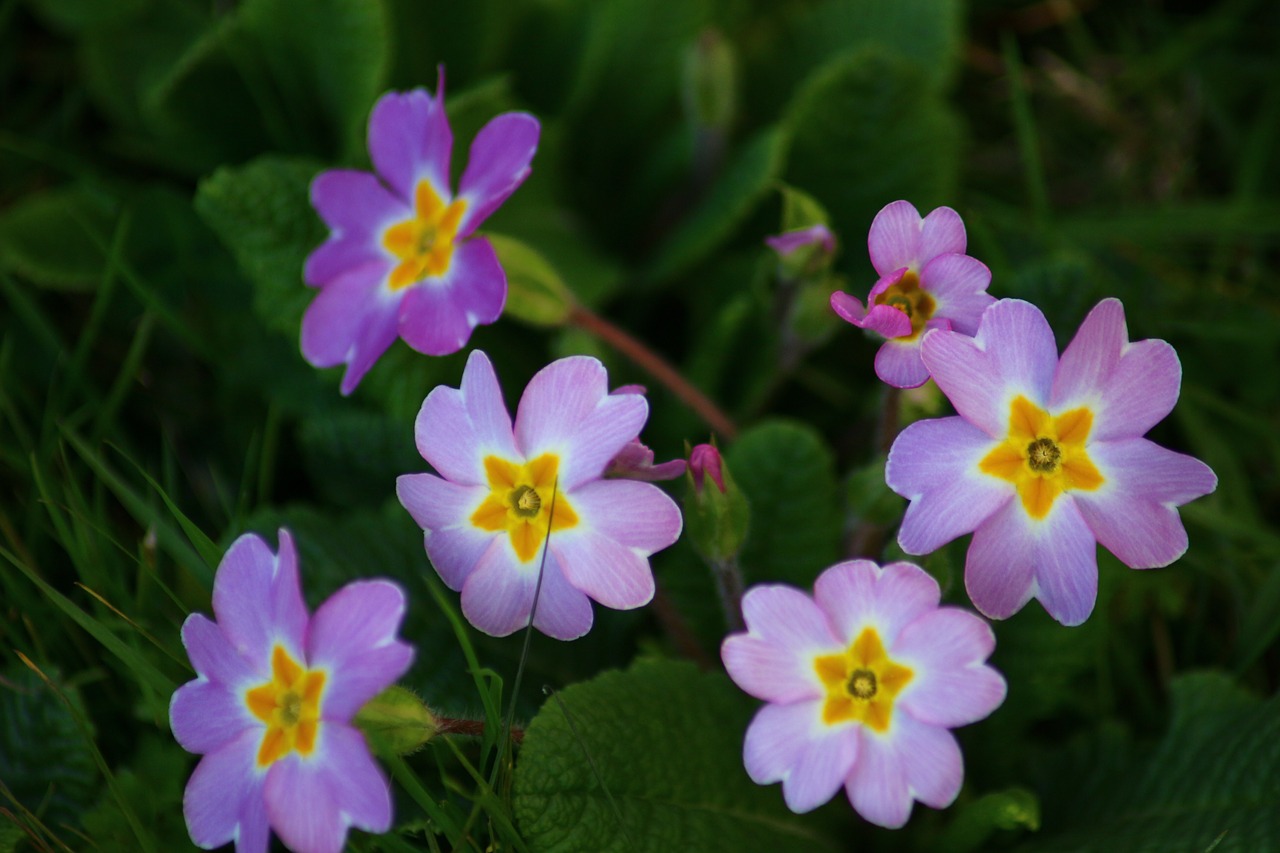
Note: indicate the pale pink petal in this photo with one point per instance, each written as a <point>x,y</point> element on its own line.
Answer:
<point>789,619</point>
<point>438,315</point>
<point>858,594</point>
<point>878,786</point>
<point>949,276</point>
<point>1066,564</point>
<point>610,573</point>
<point>223,799</point>
<point>886,321</point>
<point>498,594</point>
<point>258,600</point>
<point>637,515</point>
<point>815,235</point>
<point>894,239</point>
<point>848,308</point>
<point>931,759</point>
<point>438,504</point>
<point>567,409</point>
<point>410,139</point>
<point>563,613</point>
<point>207,715</point>
<point>999,571</point>
<point>213,656</point>
<point>770,671</point>
<point>1013,354</point>
<point>1092,355</point>
<point>312,803</point>
<point>789,743</point>
<point>934,464</point>
<point>941,233</point>
<point>353,638</point>
<point>1132,514</point>
<point>499,163</point>
<point>457,428</point>
<point>951,685</point>
<point>898,363</point>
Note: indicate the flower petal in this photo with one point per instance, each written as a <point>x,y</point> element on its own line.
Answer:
<point>357,208</point>
<point>1133,513</point>
<point>206,715</point>
<point>610,573</point>
<point>213,656</point>
<point>353,636</point>
<point>887,321</point>
<point>946,650</point>
<point>223,799</point>
<point>857,594</point>
<point>457,427</point>
<point>898,363</point>
<point>258,599</point>
<point>878,787</point>
<point>567,409</point>
<point>848,308</point>
<point>498,596</point>
<point>959,283</point>
<point>436,503</point>
<point>1013,354</point>
<point>498,165</point>
<point>941,233</point>
<point>934,464</point>
<point>636,515</point>
<point>788,743</point>
<point>1067,565</point>
<point>563,611</point>
<point>894,239</point>
<point>312,803</point>
<point>932,761</point>
<point>337,318</point>
<point>999,571</point>
<point>410,139</point>
<point>437,316</point>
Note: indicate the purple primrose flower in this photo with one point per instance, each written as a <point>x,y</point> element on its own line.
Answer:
<point>926,282</point>
<point>402,256</point>
<point>271,706</point>
<point>502,493</point>
<point>864,680</point>
<point>1046,458</point>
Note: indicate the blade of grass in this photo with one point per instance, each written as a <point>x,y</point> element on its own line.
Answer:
<point>1025,128</point>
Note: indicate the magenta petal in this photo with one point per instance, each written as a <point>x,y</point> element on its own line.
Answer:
<point>437,316</point>
<point>887,321</point>
<point>223,799</point>
<point>941,233</point>
<point>787,743</point>
<point>898,363</point>
<point>634,514</point>
<point>339,255</point>
<point>410,139</point>
<point>498,165</point>
<point>775,660</point>
<point>206,715</point>
<point>567,409</point>
<point>213,656</point>
<point>312,803</point>
<point>848,308</point>
<point>457,427</point>
<point>934,464</point>
<point>355,204</point>
<point>353,636</point>
<point>894,239</point>
<point>947,650</point>
<point>258,600</point>
<point>563,612</point>
<point>999,571</point>
<point>858,593</point>
<point>611,574</point>
<point>931,760</point>
<point>338,316</point>
<point>878,786</point>
<point>1132,514</point>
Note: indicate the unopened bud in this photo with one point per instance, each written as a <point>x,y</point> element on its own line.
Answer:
<point>396,722</point>
<point>715,518</point>
<point>804,253</point>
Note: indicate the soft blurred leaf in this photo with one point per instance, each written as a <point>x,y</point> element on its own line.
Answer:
<point>648,759</point>
<point>800,210</point>
<point>58,238</point>
<point>153,787</point>
<point>977,821</point>
<point>535,292</point>
<point>354,457</point>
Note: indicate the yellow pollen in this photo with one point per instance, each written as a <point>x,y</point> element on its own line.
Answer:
<point>862,683</point>
<point>424,244</point>
<point>1044,455</point>
<point>905,295</point>
<point>519,502</point>
<point>289,704</point>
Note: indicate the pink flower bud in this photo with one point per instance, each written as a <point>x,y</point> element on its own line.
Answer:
<point>705,459</point>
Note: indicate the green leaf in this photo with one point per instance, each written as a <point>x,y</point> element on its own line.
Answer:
<point>58,238</point>
<point>75,15</point>
<point>648,759</point>
<point>800,210</point>
<point>977,821</point>
<point>355,456</point>
<point>788,476</point>
<point>535,292</point>
<point>262,212</point>
<point>1212,781</point>
<point>732,198</point>
<point>152,786</point>
<point>868,129</point>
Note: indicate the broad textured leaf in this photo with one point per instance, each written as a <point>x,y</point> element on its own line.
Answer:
<point>649,759</point>
<point>788,476</point>
<point>58,238</point>
<point>868,129</point>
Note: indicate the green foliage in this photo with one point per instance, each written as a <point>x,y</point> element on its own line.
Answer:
<point>648,759</point>
<point>58,239</point>
<point>535,292</point>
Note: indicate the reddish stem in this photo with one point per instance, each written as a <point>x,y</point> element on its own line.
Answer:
<point>470,728</point>
<point>657,367</point>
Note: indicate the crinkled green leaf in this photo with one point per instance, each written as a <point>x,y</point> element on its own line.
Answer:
<point>868,129</point>
<point>788,475</point>
<point>649,759</point>
<point>58,238</point>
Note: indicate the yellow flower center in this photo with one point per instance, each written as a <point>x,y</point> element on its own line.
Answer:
<point>424,244</point>
<point>861,683</point>
<point>905,295</point>
<point>1044,455</point>
<point>290,706</point>
<point>519,502</point>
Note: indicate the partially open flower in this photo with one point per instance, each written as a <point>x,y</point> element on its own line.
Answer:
<point>271,706</point>
<point>864,680</point>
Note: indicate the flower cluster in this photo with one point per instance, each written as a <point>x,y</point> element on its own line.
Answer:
<point>271,706</point>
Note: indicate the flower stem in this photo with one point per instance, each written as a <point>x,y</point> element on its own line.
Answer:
<point>470,728</point>
<point>728,578</point>
<point>679,631</point>
<point>657,367</point>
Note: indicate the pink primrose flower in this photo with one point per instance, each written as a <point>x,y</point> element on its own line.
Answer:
<point>864,680</point>
<point>271,706</point>
<point>402,256</point>
<point>926,282</point>
<point>1046,459</point>
<point>489,512</point>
